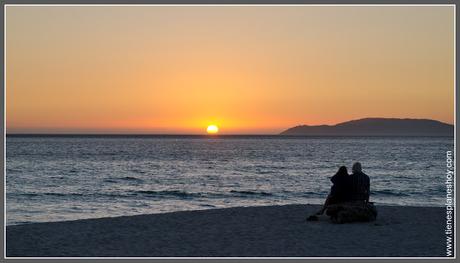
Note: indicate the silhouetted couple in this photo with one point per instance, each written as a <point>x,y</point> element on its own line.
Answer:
<point>346,188</point>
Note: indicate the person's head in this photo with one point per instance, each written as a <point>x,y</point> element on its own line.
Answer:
<point>342,171</point>
<point>356,168</point>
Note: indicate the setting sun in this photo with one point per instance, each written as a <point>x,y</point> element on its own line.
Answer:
<point>212,129</point>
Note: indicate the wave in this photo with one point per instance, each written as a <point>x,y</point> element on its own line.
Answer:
<point>389,193</point>
<point>164,193</point>
<point>110,181</point>
<point>177,193</point>
<point>251,193</point>
<point>309,194</point>
<point>138,171</point>
<point>186,195</point>
<point>126,178</point>
<point>130,178</point>
<point>190,195</point>
<point>49,194</point>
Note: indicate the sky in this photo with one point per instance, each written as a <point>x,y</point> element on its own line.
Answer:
<point>246,69</point>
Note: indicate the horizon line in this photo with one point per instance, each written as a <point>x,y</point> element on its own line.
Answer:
<point>95,132</point>
<point>199,135</point>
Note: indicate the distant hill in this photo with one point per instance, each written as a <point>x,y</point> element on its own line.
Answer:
<point>376,127</point>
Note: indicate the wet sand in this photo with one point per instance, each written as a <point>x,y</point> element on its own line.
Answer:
<point>270,231</point>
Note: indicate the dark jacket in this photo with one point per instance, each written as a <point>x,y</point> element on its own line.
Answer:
<point>340,187</point>
<point>359,186</point>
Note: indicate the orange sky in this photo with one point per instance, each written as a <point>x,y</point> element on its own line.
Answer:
<point>247,69</point>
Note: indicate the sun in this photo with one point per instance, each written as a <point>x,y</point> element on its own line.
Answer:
<point>212,129</point>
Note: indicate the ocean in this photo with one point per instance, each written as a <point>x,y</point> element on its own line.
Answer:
<point>56,178</point>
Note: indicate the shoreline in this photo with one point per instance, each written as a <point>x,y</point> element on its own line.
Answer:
<point>260,231</point>
<point>214,208</point>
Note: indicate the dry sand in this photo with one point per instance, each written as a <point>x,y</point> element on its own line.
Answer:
<point>271,231</point>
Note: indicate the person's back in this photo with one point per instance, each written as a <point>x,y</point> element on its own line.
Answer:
<point>359,184</point>
<point>338,192</point>
<point>340,187</point>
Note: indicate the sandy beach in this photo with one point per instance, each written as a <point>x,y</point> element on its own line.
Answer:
<point>270,231</point>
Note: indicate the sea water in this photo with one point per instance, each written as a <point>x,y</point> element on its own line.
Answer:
<point>55,178</point>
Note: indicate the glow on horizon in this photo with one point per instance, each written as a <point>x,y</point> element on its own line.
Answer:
<point>212,129</point>
<point>252,70</point>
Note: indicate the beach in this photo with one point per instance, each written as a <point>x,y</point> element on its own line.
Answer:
<point>265,231</point>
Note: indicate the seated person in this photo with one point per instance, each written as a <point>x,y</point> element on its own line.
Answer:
<point>359,184</point>
<point>339,190</point>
